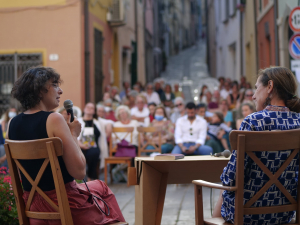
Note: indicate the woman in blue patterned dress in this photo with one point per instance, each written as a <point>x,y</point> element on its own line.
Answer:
<point>277,108</point>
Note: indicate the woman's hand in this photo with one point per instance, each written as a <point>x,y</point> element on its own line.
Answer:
<point>83,146</point>
<point>75,126</point>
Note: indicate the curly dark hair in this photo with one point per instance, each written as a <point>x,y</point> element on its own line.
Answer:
<point>28,87</point>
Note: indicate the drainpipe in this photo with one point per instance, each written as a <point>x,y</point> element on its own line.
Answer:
<point>241,44</point>
<point>255,34</point>
<point>276,33</point>
<point>207,37</point>
<point>86,51</point>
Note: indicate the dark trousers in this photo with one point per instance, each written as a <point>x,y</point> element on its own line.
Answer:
<point>92,161</point>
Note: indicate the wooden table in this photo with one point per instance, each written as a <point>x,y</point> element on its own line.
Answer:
<point>155,175</point>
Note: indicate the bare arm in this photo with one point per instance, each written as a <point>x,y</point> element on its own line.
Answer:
<point>68,133</point>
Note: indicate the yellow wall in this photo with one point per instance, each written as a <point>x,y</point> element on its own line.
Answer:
<point>29,3</point>
<point>99,8</point>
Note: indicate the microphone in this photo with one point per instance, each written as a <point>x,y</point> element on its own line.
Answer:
<point>68,105</point>
<point>226,153</point>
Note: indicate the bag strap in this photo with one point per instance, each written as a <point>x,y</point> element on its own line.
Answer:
<point>94,196</point>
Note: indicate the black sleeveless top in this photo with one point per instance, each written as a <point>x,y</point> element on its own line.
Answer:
<point>31,127</point>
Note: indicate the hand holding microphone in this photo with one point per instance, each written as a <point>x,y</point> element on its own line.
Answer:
<point>226,153</point>
<point>73,123</point>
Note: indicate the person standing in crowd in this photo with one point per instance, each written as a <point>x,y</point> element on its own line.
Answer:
<point>151,95</point>
<point>224,108</point>
<point>126,86</point>
<point>140,112</point>
<point>190,134</point>
<point>159,91</point>
<point>167,131</point>
<point>169,96</point>
<point>151,107</point>
<point>179,109</point>
<point>132,98</point>
<point>38,91</point>
<point>276,101</point>
<point>114,94</point>
<point>89,140</point>
<point>124,120</point>
<point>233,97</point>
<point>226,90</point>
<point>246,109</point>
<point>9,114</point>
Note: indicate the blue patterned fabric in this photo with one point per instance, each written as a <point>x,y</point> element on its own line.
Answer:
<point>271,118</point>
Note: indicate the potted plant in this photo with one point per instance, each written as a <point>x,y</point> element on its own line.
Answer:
<point>8,208</point>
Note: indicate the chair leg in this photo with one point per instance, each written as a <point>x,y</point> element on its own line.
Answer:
<point>128,166</point>
<point>105,172</point>
<point>110,173</point>
<point>198,205</point>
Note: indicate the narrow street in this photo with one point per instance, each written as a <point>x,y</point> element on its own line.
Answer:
<point>190,70</point>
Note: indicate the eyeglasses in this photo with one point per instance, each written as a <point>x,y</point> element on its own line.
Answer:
<point>191,131</point>
<point>180,104</point>
<point>249,95</point>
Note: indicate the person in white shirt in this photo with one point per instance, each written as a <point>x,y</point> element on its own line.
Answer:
<point>124,117</point>
<point>190,134</point>
<point>114,94</point>
<point>108,124</point>
<point>226,91</point>
<point>140,112</point>
<point>151,95</point>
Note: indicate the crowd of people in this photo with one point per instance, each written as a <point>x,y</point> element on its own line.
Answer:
<point>186,128</point>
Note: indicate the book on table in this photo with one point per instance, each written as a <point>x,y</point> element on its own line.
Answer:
<point>163,157</point>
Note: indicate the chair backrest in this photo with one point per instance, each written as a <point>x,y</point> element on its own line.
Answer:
<point>145,140</point>
<point>115,137</point>
<point>256,141</point>
<point>47,149</point>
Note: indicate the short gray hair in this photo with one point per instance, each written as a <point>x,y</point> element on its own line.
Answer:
<point>178,99</point>
<point>133,93</point>
<point>99,106</point>
<point>124,107</point>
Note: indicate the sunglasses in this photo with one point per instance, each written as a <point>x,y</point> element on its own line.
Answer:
<point>180,104</point>
<point>249,95</point>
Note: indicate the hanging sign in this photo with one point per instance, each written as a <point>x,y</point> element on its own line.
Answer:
<point>294,19</point>
<point>294,46</point>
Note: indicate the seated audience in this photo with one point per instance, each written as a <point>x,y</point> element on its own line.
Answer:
<point>126,86</point>
<point>224,108</point>
<point>170,97</point>
<point>124,117</point>
<point>159,90</point>
<point>275,98</point>
<point>221,81</point>
<point>179,109</point>
<point>9,114</point>
<point>208,97</point>
<point>177,92</point>
<point>201,110</point>
<point>140,112</point>
<point>132,98</point>
<point>214,103</point>
<point>151,107</point>
<point>125,101</point>
<point>167,130</point>
<point>151,95</point>
<point>202,97</point>
<point>243,83</point>
<point>114,94</point>
<point>226,90</point>
<point>38,106</point>
<point>233,96</point>
<point>110,115</point>
<point>106,96</point>
<point>3,161</point>
<point>246,109</point>
<point>190,134</point>
<point>218,133</point>
<point>89,140</point>
<point>108,124</point>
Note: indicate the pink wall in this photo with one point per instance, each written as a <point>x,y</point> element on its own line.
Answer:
<point>149,16</point>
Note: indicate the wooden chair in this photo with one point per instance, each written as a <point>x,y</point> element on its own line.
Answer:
<point>113,149</point>
<point>47,149</point>
<point>249,142</point>
<point>144,141</point>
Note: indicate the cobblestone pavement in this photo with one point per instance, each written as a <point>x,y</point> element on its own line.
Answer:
<point>179,208</point>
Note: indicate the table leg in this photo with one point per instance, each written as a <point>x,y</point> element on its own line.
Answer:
<point>150,196</point>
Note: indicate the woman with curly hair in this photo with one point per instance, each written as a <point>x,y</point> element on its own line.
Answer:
<point>39,93</point>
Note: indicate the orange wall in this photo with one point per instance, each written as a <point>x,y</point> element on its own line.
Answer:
<point>56,31</point>
<point>266,49</point>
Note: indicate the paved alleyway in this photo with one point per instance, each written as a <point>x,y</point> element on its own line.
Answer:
<point>190,69</point>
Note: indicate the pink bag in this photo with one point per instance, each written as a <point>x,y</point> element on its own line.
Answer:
<point>125,149</point>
